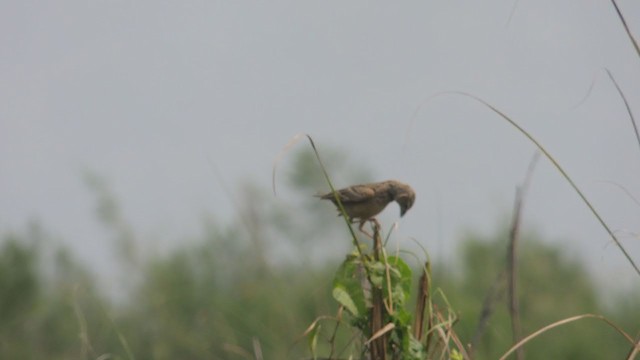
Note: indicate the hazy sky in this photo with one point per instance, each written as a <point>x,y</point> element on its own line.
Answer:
<point>145,92</point>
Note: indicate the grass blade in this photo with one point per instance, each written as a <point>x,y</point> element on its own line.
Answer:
<point>563,322</point>
<point>626,27</point>
<point>553,161</point>
<point>626,104</point>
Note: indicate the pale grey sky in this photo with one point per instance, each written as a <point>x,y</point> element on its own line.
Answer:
<point>144,92</point>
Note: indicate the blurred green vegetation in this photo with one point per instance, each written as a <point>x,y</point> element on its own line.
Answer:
<point>226,295</point>
<point>551,286</point>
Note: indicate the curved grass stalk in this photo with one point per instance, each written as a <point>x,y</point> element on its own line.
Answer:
<point>548,156</point>
<point>626,27</point>
<point>288,147</point>
<point>626,104</point>
<point>563,322</point>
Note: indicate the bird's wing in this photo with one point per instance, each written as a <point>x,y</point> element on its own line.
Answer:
<point>356,193</point>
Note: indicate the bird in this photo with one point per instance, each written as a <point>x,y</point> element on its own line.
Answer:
<point>364,201</point>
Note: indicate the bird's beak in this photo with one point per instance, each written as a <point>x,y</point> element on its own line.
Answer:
<point>402,211</point>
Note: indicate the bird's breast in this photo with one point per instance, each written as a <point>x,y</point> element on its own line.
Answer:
<point>365,210</point>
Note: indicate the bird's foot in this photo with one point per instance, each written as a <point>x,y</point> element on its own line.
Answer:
<point>362,230</point>
<point>374,224</point>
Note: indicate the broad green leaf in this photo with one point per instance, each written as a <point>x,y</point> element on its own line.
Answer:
<point>400,274</point>
<point>344,298</point>
<point>347,287</point>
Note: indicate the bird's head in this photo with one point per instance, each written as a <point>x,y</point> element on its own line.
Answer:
<point>405,201</point>
<point>404,195</point>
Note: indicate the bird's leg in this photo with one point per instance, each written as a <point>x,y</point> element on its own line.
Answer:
<point>375,224</point>
<point>362,230</point>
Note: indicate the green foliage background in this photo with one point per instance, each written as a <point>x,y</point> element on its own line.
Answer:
<point>227,294</point>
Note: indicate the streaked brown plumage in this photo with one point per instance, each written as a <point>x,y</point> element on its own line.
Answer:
<point>363,202</point>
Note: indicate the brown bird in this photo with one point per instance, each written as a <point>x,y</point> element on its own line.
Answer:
<point>363,202</point>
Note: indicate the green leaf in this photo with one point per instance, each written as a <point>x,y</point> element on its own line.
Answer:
<point>344,298</point>
<point>347,288</point>
<point>412,348</point>
<point>313,340</point>
<point>455,355</point>
<point>400,274</point>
